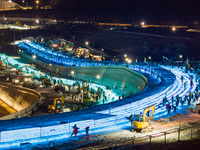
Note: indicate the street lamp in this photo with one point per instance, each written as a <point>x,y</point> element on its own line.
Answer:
<point>173,29</point>
<point>34,56</point>
<point>23,1</point>
<point>72,73</point>
<point>37,2</point>
<point>125,55</point>
<point>129,61</point>
<point>37,21</point>
<point>181,57</point>
<point>142,23</point>
<point>98,77</point>
<point>149,57</point>
<point>87,43</point>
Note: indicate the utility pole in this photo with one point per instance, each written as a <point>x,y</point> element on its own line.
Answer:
<point>14,41</point>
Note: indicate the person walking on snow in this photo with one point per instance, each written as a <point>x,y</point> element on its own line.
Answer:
<point>75,131</point>
<point>87,130</point>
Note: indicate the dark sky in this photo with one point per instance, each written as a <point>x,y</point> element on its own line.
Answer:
<point>131,6</point>
<point>148,9</point>
<point>127,10</point>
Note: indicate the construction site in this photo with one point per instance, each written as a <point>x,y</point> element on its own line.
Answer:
<point>51,90</point>
<point>79,85</point>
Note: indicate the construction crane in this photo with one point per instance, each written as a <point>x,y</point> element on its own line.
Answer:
<point>141,123</point>
<point>57,106</point>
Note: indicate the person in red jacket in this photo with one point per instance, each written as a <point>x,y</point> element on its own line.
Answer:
<point>75,131</point>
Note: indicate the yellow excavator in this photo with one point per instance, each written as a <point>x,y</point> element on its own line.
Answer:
<point>57,105</point>
<point>85,91</point>
<point>47,81</point>
<point>141,123</point>
<point>2,67</point>
<point>39,39</point>
<point>19,71</point>
<point>28,82</point>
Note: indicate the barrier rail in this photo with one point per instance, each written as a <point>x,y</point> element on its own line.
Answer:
<point>131,142</point>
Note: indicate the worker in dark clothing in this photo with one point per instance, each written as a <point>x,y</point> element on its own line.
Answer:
<point>54,81</point>
<point>182,78</point>
<point>174,107</point>
<point>189,100</point>
<point>196,89</point>
<point>168,109</point>
<point>196,95</point>
<point>130,118</point>
<point>190,95</point>
<point>182,101</point>
<point>87,130</point>
<point>177,102</point>
<point>164,101</point>
<point>172,100</point>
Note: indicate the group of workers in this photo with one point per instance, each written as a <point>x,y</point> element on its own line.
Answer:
<point>179,100</point>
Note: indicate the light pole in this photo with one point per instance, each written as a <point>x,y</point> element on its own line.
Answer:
<point>102,50</point>
<point>98,77</point>
<point>87,43</point>
<point>142,23</point>
<point>149,58</point>
<point>14,40</point>
<point>34,57</point>
<point>23,1</point>
<point>173,28</point>
<point>72,73</point>
<point>37,2</point>
<point>181,57</point>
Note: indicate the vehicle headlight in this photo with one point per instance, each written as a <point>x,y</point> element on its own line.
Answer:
<point>17,81</point>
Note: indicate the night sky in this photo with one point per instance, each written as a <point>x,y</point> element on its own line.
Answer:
<point>159,9</point>
<point>131,6</point>
<point>127,10</point>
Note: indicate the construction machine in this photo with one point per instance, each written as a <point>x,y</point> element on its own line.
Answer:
<point>39,39</point>
<point>47,81</point>
<point>141,123</point>
<point>19,71</point>
<point>188,65</point>
<point>1,65</point>
<point>85,91</point>
<point>57,106</point>
<point>167,61</point>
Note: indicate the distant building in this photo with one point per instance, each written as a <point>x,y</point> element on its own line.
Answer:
<point>8,5</point>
